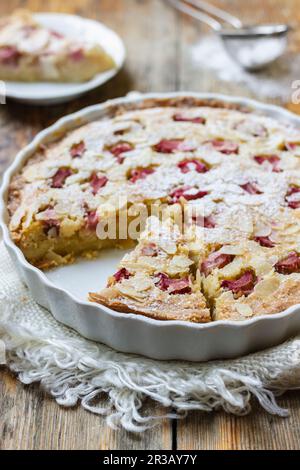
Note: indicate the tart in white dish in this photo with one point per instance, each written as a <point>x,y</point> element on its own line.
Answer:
<point>237,171</point>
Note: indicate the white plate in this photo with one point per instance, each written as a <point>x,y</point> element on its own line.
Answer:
<point>63,291</point>
<point>74,27</point>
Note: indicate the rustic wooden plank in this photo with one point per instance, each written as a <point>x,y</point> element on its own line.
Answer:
<point>30,419</point>
<point>256,431</point>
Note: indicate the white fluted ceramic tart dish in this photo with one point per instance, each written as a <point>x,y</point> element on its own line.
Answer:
<point>225,286</point>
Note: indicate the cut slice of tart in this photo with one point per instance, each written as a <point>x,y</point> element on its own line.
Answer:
<point>30,52</point>
<point>250,279</point>
<point>157,278</point>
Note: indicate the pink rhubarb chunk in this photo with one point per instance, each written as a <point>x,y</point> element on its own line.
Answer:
<point>293,204</point>
<point>215,260</point>
<point>289,265</point>
<point>173,286</point>
<point>77,55</point>
<point>140,174</point>
<point>97,182</point>
<point>206,222</point>
<point>149,250</point>
<point>292,146</point>
<point>224,146</point>
<point>118,149</point>
<point>77,150</point>
<point>251,188</point>
<point>172,145</point>
<point>122,274</point>
<point>60,177</point>
<point>9,55</point>
<point>181,118</point>
<point>265,241</point>
<point>243,285</point>
<point>188,165</point>
<point>92,220</point>
<point>273,160</point>
<point>185,193</point>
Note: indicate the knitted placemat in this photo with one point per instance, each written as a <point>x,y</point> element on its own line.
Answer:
<point>73,369</point>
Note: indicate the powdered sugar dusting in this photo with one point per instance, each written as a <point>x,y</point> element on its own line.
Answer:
<point>273,82</point>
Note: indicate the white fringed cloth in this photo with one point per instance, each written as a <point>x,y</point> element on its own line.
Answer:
<point>73,369</point>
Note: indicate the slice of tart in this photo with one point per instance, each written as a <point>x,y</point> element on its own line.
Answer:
<point>157,278</point>
<point>30,52</point>
<point>249,279</point>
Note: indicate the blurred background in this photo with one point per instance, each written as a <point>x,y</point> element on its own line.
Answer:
<point>166,51</point>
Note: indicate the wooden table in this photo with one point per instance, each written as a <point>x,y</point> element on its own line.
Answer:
<point>158,42</point>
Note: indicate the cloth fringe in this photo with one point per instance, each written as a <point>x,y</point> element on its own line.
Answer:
<point>74,370</point>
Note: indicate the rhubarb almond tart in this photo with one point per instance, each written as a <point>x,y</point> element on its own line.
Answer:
<point>225,180</point>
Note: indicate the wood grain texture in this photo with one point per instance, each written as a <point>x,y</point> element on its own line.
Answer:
<point>158,42</point>
<point>256,431</point>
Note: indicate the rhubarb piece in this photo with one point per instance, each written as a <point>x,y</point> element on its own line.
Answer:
<point>140,174</point>
<point>251,188</point>
<point>209,222</point>
<point>77,150</point>
<point>121,275</point>
<point>288,265</point>
<point>60,177</point>
<point>206,222</point>
<point>188,165</point>
<point>215,260</point>
<point>293,190</point>
<point>265,241</point>
<point>273,160</point>
<point>149,250</point>
<point>172,145</point>
<point>92,220</point>
<point>292,146</point>
<point>184,192</point>
<point>9,55</point>
<point>181,118</point>
<point>77,54</point>
<point>118,149</point>
<point>173,286</point>
<point>97,182</point>
<point>242,285</point>
<point>224,146</point>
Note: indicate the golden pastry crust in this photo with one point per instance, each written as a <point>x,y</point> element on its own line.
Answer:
<point>189,308</point>
<point>235,173</point>
<point>31,53</point>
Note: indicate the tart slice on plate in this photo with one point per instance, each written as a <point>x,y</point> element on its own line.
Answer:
<point>30,52</point>
<point>157,278</point>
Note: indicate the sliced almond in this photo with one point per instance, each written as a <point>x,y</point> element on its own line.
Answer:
<point>244,310</point>
<point>232,269</point>
<point>129,291</point>
<point>232,249</point>
<point>267,286</point>
<point>261,229</point>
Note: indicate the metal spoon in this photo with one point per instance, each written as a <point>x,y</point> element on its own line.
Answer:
<point>253,47</point>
